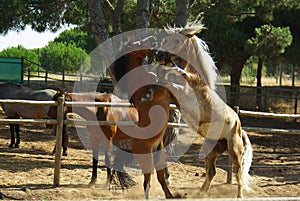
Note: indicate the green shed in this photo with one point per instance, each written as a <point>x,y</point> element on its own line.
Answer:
<point>11,69</point>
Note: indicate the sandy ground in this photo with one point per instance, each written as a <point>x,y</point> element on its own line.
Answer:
<point>27,172</point>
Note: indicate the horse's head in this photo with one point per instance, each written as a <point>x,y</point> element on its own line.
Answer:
<point>178,39</point>
<point>52,112</point>
<point>137,48</point>
<point>141,48</point>
<point>191,52</point>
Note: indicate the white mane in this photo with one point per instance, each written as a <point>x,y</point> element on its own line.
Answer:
<point>205,63</point>
<point>189,28</point>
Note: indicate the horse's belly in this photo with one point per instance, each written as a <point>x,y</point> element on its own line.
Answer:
<point>32,112</point>
<point>214,131</point>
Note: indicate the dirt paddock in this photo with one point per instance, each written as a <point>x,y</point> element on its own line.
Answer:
<point>27,172</point>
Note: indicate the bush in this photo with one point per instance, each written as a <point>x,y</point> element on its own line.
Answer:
<point>62,57</point>
<point>30,56</point>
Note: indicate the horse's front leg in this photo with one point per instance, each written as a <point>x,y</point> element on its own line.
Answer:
<point>95,165</point>
<point>161,170</point>
<point>108,166</point>
<point>17,129</point>
<point>12,135</point>
<point>64,142</point>
<point>147,179</point>
<point>14,128</point>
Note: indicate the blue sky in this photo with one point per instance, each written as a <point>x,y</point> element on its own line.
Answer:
<point>28,38</point>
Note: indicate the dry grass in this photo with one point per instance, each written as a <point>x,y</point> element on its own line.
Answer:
<point>266,81</point>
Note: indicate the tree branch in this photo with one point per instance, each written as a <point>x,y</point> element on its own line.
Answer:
<point>108,6</point>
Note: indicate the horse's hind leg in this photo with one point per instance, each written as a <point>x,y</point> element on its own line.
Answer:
<point>65,140</point>
<point>235,150</point>
<point>210,161</point>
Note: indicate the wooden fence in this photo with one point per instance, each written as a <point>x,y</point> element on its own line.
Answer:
<point>60,121</point>
<point>272,98</point>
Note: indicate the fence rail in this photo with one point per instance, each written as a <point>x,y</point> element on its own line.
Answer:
<point>60,121</point>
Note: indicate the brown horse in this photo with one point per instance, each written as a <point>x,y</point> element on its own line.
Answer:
<point>210,116</point>
<point>152,103</point>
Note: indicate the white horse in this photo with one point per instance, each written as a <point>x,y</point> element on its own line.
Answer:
<point>211,117</point>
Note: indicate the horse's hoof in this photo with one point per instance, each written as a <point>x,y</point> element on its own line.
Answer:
<point>203,194</point>
<point>17,146</point>
<point>11,146</point>
<point>178,196</point>
<point>65,154</point>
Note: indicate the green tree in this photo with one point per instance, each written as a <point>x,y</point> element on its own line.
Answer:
<point>30,56</point>
<point>268,43</point>
<point>230,23</point>
<point>290,18</point>
<point>78,37</point>
<point>60,57</point>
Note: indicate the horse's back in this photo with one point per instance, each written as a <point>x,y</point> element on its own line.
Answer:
<point>10,90</point>
<point>42,95</point>
<point>18,91</point>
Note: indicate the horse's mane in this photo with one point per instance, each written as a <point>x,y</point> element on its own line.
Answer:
<point>190,28</point>
<point>117,69</point>
<point>207,65</point>
<point>203,62</point>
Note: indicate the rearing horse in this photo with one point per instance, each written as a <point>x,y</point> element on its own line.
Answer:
<point>211,117</point>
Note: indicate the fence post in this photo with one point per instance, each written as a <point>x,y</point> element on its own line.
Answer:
<point>28,75</point>
<point>46,77</point>
<point>59,129</point>
<point>296,101</point>
<point>63,77</point>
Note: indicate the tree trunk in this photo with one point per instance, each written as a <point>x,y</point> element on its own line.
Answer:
<point>98,31</point>
<point>142,14</point>
<point>258,84</point>
<point>116,13</point>
<point>182,12</point>
<point>235,76</point>
<point>116,19</point>
<point>98,27</point>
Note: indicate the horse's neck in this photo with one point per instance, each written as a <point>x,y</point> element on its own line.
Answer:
<point>138,78</point>
<point>88,113</point>
<point>209,102</point>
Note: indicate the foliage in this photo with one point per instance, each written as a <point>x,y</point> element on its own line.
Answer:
<point>269,42</point>
<point>231,24</point>
<point>40,15</point>
<point>77,37</point>
<point>30,56</point>
<point>62,57</point>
